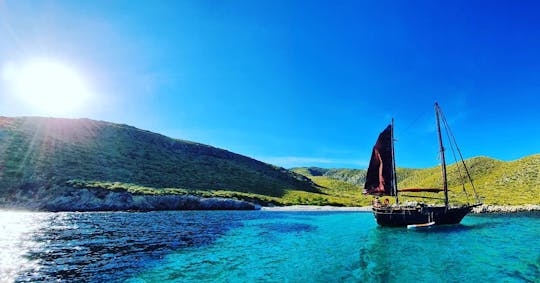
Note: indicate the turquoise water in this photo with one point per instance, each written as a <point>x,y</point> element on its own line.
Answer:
<point>263,246</point>
<point>349,247</point>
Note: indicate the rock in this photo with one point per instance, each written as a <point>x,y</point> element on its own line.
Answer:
<point>486,208</point>
<point>67,199</point>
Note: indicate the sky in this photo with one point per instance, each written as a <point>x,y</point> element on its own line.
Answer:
<point>292,83</point>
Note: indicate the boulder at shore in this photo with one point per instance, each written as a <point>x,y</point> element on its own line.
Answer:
<point>105,200</point>
<point>505,208</point>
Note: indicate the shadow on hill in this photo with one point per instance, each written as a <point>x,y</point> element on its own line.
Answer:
<point>42,152</point>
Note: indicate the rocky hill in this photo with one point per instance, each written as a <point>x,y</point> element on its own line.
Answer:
<point>81,164</point>
<point>39,156</point>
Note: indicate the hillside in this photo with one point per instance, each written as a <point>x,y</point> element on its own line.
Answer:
<point>52,164</point>
<point>39,155</point>
<point>497,182</point>
<point>351,176</point>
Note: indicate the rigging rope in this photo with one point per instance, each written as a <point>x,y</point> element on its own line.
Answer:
<point>460,155</point>
<point>419,117</point>
<point>447,128</point>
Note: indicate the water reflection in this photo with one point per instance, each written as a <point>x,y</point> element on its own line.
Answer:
<point>400,254</point>
<point>99,247</point>
<point>451,253</point>
<point>188,246</point>
<point>16,233</point>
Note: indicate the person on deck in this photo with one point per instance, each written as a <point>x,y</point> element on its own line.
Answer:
<point>376,203</point>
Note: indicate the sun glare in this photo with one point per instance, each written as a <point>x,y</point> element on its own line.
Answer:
<point>47,87</point>
<point>17,229</point>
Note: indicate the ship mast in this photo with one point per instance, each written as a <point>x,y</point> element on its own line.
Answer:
<point>394,164</point>
<point>443,161</point>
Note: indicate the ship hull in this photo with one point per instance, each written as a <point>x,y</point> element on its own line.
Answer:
<point>403,216</point>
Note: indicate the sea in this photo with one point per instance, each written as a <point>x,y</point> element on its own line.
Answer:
<point>263,246</point>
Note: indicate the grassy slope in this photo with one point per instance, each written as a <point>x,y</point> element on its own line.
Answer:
<point>42,153</point>
<point>497,182</point>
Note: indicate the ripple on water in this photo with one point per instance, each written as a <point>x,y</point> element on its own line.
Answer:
<point>230,246</point>
<point>99,246</point>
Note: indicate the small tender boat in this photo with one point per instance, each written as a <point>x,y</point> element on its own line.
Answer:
<point>423,225</point>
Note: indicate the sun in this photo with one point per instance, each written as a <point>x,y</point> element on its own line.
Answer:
<point>47,87</point>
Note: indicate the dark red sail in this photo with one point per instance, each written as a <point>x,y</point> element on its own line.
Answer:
<point>380,174</point>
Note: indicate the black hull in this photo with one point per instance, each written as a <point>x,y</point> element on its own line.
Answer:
<point>403,215</point>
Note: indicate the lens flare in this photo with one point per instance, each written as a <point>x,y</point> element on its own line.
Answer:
<point>47,87</point>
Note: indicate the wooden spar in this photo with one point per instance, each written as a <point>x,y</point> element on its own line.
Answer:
<point>420,197</point>
<point>394,163</point>
<point>443,161</point>
<point>418,190</point>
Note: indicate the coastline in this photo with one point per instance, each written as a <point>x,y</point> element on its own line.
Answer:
<point>316,208</point>
<point>477,210</point>
<point>488,208</point>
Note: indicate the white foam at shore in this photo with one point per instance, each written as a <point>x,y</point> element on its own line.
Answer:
<point>315,208</point>
<point>481,209</point>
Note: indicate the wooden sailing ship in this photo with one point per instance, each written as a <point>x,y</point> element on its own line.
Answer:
<point>381,181</point>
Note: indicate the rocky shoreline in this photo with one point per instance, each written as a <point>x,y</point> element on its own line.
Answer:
<point>487,208</point>
<point>106,200</point>
<point>68,199</point>
<point>476,210</point>
<point>316,208</point>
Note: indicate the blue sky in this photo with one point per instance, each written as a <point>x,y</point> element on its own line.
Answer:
<point>295,83</point>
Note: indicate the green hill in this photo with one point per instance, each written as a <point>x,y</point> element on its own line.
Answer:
<point>497,182</point>
<point>75,160</point>
<point>40,155</point>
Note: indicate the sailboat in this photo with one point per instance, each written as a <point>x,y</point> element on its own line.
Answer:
<point>381,181</point>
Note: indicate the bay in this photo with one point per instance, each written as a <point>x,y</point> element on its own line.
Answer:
<point>263,246</point>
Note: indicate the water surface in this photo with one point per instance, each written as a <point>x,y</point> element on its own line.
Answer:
<point>263,246</point>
